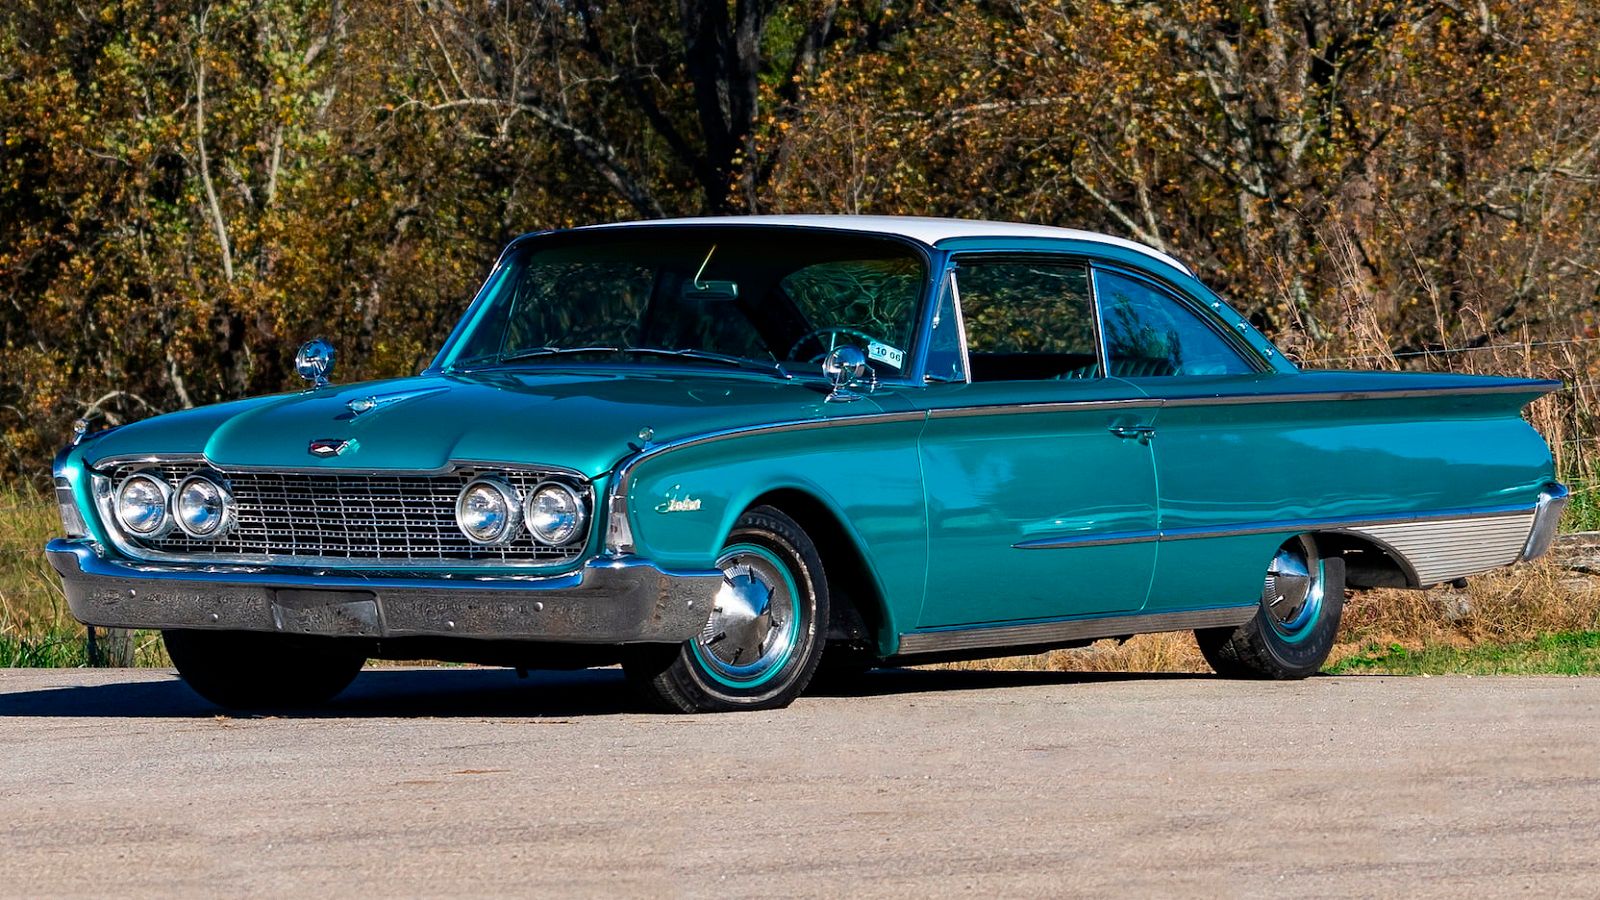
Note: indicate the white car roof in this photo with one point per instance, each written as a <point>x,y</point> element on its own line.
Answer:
<point>924,230</point>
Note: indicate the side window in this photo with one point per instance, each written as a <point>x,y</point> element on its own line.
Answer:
<point>945,360</point>
<point>1150,333</point>
<point>1027,320</point>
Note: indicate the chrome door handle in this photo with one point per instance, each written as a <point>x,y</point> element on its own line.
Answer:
<point>1140,433</point>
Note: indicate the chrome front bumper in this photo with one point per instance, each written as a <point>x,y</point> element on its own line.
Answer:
<point>606,602</point>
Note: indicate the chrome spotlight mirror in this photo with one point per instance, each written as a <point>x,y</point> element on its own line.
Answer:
<point>846,368</point>
<point>315,361</point>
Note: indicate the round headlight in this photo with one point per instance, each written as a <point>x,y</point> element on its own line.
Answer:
<point>144,505</point>
<point>487,511</point>
<point>205,508</point>
<point>554,513</point>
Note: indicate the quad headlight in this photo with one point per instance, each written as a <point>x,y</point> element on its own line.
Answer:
<point>554,513</point>
<point>204,507</point>
<point>144,505</point>
<point>487,511</point>
<point>490,511</point>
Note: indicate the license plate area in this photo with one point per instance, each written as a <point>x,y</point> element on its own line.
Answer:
<point>332,613</point>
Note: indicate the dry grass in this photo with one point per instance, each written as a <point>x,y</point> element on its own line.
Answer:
<point>1524,602</point>
<point>30,596</point>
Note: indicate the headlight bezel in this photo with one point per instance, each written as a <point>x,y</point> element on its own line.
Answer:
<point>227,517</point>
<point>167,522</point>
<point>576,530</point>
<point>513,504</point>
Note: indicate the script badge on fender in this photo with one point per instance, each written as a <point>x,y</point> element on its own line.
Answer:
<point>326,447</point>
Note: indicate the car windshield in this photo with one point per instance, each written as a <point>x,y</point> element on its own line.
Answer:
<point>753,298</point>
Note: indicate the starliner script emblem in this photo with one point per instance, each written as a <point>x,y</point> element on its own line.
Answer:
<point>326,447</point>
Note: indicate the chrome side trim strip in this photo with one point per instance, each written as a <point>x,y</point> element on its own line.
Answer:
<point>1284,525</point>
<point>1012,409</point>
<point>1532,386</point>
<point>1091,540</point>
<point>617,495</point>
<point>1064,631</point>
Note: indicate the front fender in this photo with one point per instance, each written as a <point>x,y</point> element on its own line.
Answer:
<point>682,502</point>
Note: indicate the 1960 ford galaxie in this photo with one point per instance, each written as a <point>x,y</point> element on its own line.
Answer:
<point>725,452</point>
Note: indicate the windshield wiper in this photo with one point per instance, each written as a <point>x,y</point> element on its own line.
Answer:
<point>555,351</point>
<point>773,368</point>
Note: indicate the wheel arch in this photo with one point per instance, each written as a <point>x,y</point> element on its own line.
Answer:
<point>1369,562</point>
<point>858,611</point>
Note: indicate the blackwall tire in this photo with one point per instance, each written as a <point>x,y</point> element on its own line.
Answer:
<point>242,670</point>
<point>1283,644</point>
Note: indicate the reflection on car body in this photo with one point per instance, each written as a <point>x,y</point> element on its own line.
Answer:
<point>727,452</point>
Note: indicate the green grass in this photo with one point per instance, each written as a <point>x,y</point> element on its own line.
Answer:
<point>55,648</point>
<point>1583,510</point>
<point>1562,653</point>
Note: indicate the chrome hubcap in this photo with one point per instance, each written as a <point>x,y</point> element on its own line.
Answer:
<point>751,628</point>
<point>1292,593</point>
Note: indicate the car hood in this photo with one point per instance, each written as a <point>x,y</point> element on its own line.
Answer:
<point>584,421</point>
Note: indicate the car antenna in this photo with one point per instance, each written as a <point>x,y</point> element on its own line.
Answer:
<point>702,270</point>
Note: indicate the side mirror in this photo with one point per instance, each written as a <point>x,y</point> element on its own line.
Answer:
<point>315,361</point>
<point>845,367</point>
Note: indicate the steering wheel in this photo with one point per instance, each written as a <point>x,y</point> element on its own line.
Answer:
<point>818,333</point>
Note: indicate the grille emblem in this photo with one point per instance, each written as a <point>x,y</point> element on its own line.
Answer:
<point>327,447</point>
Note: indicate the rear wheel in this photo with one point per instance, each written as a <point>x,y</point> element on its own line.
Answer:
<point>1293,632</point>
<point>761,645</point>
<point>257,670</point>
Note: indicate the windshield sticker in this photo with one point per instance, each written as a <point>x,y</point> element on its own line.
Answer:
<point>886,354</point>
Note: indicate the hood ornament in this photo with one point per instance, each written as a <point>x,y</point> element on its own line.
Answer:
<point>370,402</point>
<point>330,447</point>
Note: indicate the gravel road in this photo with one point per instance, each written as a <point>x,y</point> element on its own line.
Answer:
<point>432,781</point>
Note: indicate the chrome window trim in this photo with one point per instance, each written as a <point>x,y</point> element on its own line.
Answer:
<point>103,493</point>
<point>927,254</point>
<point>1206,313</point>
<point>1043,257</point>
<point>961,326</point>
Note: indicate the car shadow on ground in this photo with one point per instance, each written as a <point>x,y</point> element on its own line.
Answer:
<point>487,692</point>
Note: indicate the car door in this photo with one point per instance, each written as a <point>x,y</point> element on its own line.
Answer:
<point>1221,466</point>
<point>1037,469</point>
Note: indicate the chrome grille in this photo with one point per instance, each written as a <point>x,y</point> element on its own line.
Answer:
<point>346,519</point>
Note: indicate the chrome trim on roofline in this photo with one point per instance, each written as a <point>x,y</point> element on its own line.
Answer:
<point>927,231</point>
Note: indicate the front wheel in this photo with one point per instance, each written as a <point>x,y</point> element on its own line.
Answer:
<point>1294,630</point>
<point>260,670</point>
<point>762,642</point>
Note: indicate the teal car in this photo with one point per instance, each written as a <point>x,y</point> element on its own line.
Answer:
<point>729,452</point>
